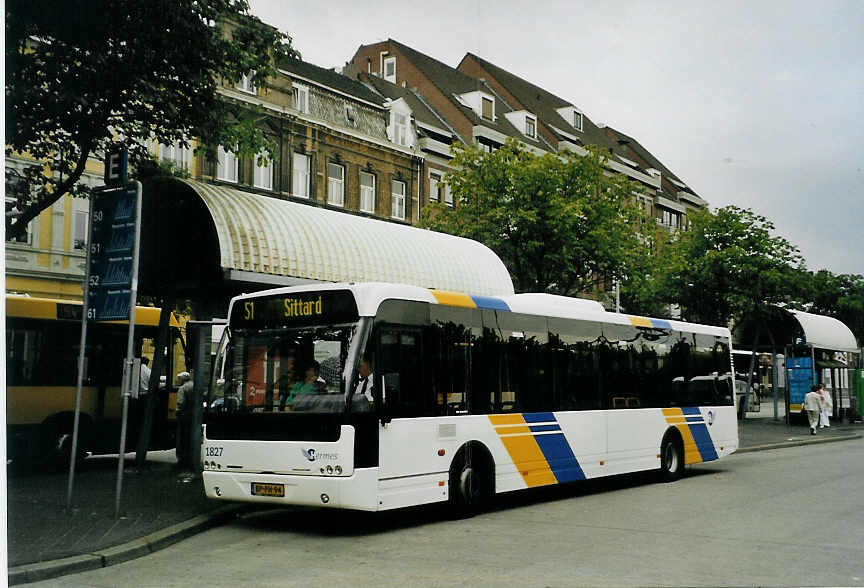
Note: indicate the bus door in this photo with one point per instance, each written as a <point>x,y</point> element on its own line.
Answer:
<point>398,373</point>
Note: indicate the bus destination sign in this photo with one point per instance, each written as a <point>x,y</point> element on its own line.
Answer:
<point>299,309</point>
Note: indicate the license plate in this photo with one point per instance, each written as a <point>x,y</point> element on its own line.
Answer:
<point>259,489</point>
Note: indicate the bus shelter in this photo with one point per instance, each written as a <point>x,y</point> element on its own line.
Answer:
<point>807,349</point>
<point>207,243</point>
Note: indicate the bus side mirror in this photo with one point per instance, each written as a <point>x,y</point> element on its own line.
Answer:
<point>389,393</point>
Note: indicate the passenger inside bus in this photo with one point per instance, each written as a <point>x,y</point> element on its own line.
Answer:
<point>313,383</point>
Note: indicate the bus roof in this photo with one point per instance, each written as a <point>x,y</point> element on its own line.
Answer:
<point>370,295</point>
<point>52,309</point>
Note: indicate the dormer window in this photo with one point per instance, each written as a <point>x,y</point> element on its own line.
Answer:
<point>350,115</point>
<point>572,115</point>
<point>530,127</point>
<point>300,98</point>
<point>487,108</point>
<point>245,83</point>
<point>390,69</point>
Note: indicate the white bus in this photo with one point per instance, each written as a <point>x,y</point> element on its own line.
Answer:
<point>469,396</point>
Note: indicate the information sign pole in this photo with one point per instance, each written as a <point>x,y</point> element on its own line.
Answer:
<point>130,350</point>
<point>110,282</point>
<point>80,379</point>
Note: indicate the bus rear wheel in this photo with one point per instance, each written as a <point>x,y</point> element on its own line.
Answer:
<point>59,443</point>
<point>671,459</point>
<point>470,484</point>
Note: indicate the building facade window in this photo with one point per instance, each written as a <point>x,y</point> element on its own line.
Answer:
<point>245,84</point>
<point>670,219</point>
<point>335,184</point>
<point>435,187</point>
<point>530,127</point>
<point>300,176</point>
<point>400,128</point>
<point>390,69</point>
<point>397,202</point>
<point>180,156</point>
<point>367,192</point>
<point>577,120</point>
<point>487,108</point>
<point>226,166</point>
<point>79,234</point>
<point>448,195</point>
<point>263,174</point>
<point>300,98</point>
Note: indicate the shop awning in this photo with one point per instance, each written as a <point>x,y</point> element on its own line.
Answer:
<point>221,234</point>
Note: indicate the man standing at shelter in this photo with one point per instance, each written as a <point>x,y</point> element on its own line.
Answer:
<point>813,406</point>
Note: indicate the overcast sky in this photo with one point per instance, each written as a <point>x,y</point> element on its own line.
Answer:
<point>756,104</point>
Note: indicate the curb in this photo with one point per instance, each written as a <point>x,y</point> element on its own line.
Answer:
<point>797,442</point>
<point>44,570</point>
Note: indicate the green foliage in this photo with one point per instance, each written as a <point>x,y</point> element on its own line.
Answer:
<point>556,221</point>
<point>84,76</point>
<point>839,296</point>
<point>729,264</point>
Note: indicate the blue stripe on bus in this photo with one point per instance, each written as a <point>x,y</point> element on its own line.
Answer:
<point>489,303</point>
<point>538,428</point>
<point>703,441</point>
<point>560,457</point>
<point>661,324</point>
<point>539,417</point>
<point>695,419</point>
<point>691,410</point>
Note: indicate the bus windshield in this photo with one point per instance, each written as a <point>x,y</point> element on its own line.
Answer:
<point>282,370</point>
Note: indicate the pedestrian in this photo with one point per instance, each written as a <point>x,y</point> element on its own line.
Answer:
<point>144,382</point>
<point>813,406</point>
<point>184,420</point>
<point>140,394</point>
<point>827,407</point>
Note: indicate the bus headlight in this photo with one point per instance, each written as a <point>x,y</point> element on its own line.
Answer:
<point>338,470</point>
<point>329,470</point>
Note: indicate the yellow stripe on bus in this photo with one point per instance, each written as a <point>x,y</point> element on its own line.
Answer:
<point>639,321</point>
<point>512,429</point>
<point>453,299</point>
<point>675,416</point>
<point>524,451</point>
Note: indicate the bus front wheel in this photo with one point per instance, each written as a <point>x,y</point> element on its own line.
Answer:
<point>671,458</point>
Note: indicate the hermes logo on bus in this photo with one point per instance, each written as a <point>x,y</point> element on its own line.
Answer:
<point>294,307</point>
<point>312,455</point>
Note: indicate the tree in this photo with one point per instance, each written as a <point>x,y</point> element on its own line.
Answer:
<point>729,264</point>
<point>83,76</point>
<point>557,221</point>
<point>839,296</point>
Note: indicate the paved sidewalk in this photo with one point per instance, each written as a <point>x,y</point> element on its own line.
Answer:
<point>159,508</point>
<point>764,432</point>
<point>40,529</point>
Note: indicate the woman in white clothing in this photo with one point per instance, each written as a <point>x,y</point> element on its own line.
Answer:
<point>827,407</point>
